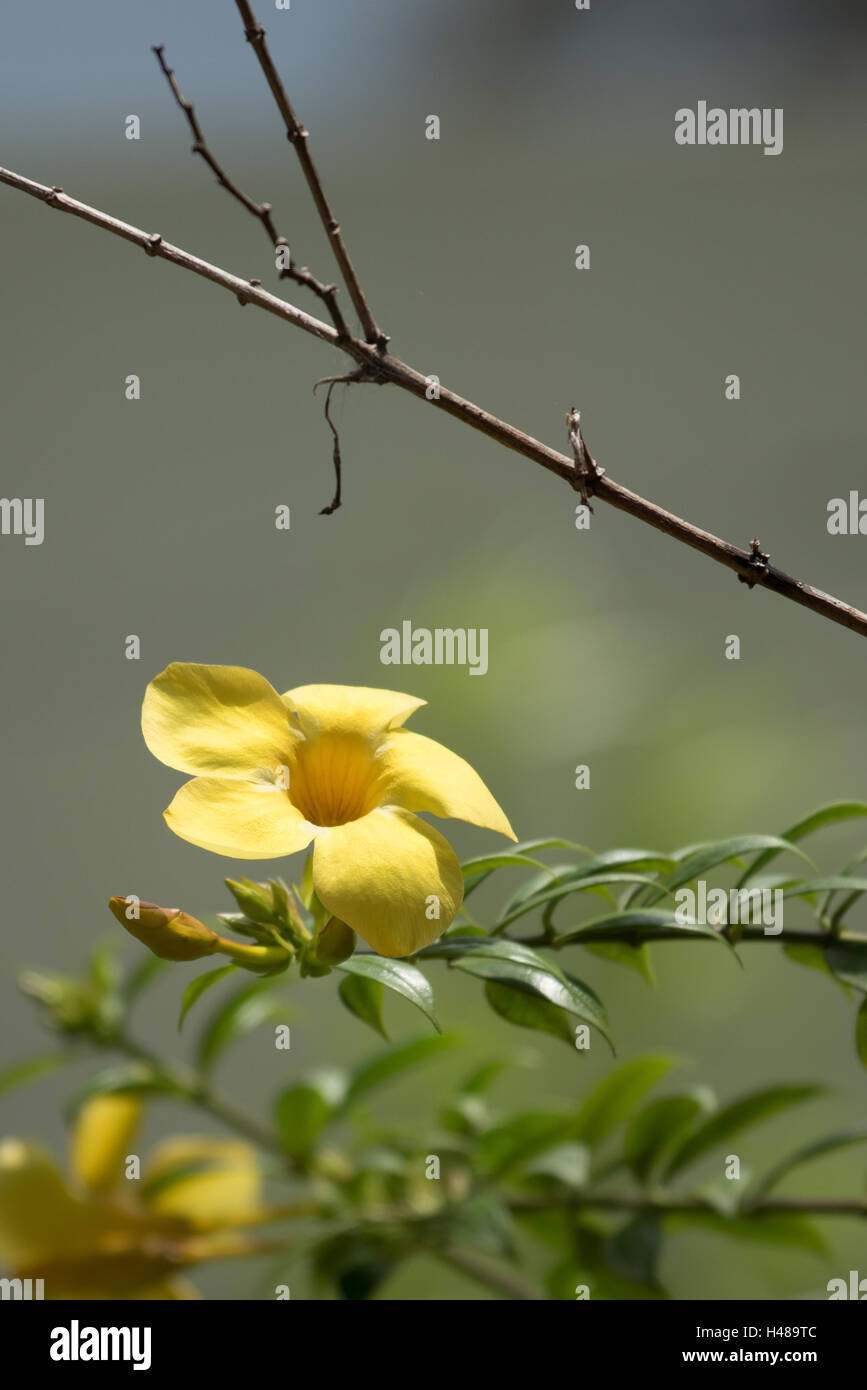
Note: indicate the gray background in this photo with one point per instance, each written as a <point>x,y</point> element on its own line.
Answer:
<point>605,647</point>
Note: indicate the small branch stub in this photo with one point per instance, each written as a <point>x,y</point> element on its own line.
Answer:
<point>587,470</point>
<point>760,563</point>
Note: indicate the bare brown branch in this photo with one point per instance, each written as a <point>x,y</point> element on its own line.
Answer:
<point>381,366</point>
<point>298,138</point>
<point>263,212</point>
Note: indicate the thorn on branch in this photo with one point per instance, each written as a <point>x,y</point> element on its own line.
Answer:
<point>587,470</point>
<point>154,243</point>
<point>759,562</point>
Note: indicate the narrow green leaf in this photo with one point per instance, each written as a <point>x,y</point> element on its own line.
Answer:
<point>142,975</point>
<point>396,1060</point>
<point>710,856</point>
<point>647,923</point>
<point>130,1078</point>
<point>197,987</point>
<point>621,953</point>
<point>615,1098</point>
<point>519,1139</point>
<point>363,997</point>
<point>246,1009</point>
<point>398,976</point>
<point>527,1010</point>
<point>828,1144</point>
<point>826,815</point>
<point>813,957</point>
<point>19,1073</point>
<point>732,1119</point>
<point>767,1228</point>
<point>831,883</point>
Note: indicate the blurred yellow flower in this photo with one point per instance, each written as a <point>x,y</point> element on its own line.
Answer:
<point>330,764</point>
<point>99,1236</point>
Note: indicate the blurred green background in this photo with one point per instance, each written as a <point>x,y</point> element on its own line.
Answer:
<point>606,647</point>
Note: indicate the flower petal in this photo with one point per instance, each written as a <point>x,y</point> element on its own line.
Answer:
<point>242,820</point>
<point>218,1182</point>
<point>350,709</point>
<point>421,775</point>
<point>223,721</point>
<point>104,1129</point>
<point>39,1217</point>
<point>381,874</point>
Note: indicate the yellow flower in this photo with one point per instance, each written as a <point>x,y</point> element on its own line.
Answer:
<point>101,1236</point>
<point>330,764</point>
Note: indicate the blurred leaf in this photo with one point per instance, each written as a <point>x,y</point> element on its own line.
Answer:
<point>847,960</point>
<point>621,953</point>
<point>615,1098</point>
<point>170,1175</point>
<point>482,1078</point>
<point>861,1033</point>
<point>143,974</point>
<point>568,1164</point>
<point>131,1078</point>
<point>387,1065</point>
<point>19,1073</point>
<point>355,1263</point>
<point>481,1223</point>
<point>658,1127</point>
<point>826,815</point>
<point>829,884</point>
<point>302,1111</point>
<point>805,1154</point>
<point>246,1009</point>
<point>399,976</point>
<point>519,1139</point>
<point>767,1228</point>
<point>813,957</point>
<point>197,987</point>
<point>633,1252</point>
<point>529,1011</point>
<point>732,1119</point>
<point>363,997</point>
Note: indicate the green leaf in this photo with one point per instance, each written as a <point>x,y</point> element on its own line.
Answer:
<point>805,1154</point>
<point>813,957</point>
<point>831,883</point>
<point>826,815</point>
<point>604,868</point>
<point>741,1114</point>
<point>399,976</point>
<point>197,987</point>
<point>567,1164</point>
<point>303,1111</point>
<point>658,1127</point>
<point>129,1078</point>
<point>521,968</point>
<point>529,1011</point>
<point>621,953</point>
<point>861,1033</point>
<point>254,899</point>
<point>19,1073</point>
<point>363,997</point>
<point>847,960</point>
<point>615,1098</point>
<point>710,856</point>
<point>174,1173</point>
<point>482,1078</point>
<point>633,1252</point>
<point>246,1009</point>
<point>387,1065</point>
<point>657,923</point>
<point>489,862</point>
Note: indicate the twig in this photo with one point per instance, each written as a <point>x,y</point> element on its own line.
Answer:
<point>261,211</point>
<point>682,1206</point>
<point>382,366</point>
<point>494,1277</point>
<point>298,136</point>
<point>640,936</point>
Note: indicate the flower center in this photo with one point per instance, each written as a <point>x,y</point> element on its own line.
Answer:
<point>332,779</point>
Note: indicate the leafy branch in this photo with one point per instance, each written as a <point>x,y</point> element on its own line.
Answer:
<point>375,363</point>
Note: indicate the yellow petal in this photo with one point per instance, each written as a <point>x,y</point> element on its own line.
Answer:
<point>39,1217</point>
<point>385,875</point>
<point>421,775</point>
<point>104,1130</point>
<point>216,1182</point>
<point>243,820</point>
<point>349,709</point>
<point>222,721</point>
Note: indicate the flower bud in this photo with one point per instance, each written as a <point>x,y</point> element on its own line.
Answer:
<point>167,931</point>
<point>334,942</point>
